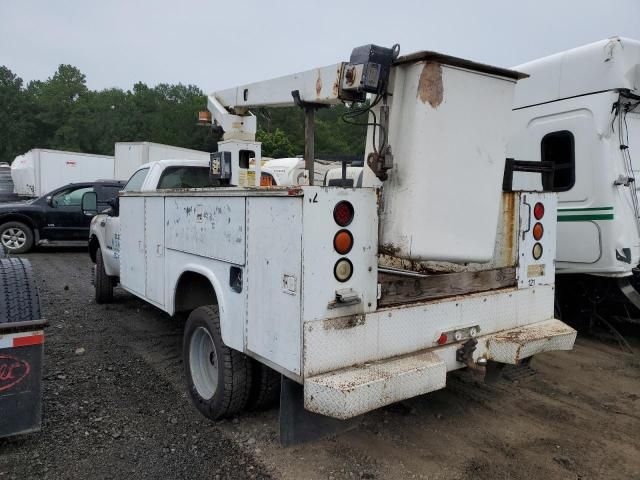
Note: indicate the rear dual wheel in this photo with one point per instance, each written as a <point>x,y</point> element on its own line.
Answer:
<point>222,381</point>
<point>218,377</point>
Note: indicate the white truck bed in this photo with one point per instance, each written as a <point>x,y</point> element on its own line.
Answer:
<point>285,314</point>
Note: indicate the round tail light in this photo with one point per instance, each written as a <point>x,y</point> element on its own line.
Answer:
<point>343,270</point>
<point>538,211</point>
<point>537,251</point>
<point>538,231</point>
<point>343,213</point>
<point>343,242</point>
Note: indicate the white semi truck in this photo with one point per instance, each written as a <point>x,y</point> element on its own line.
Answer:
<point>580,112</point>
<point>303,280</point>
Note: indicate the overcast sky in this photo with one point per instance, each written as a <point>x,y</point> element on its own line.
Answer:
<point>222,44</point>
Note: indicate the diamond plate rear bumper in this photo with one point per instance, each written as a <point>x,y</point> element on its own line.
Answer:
<point>348,392</point>
<point>513,345</point>
<point>352,391</point>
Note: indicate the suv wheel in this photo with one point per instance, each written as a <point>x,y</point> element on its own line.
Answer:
<point>16,237</point>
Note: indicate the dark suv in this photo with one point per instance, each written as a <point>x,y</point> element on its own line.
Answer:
<point>56,216</point>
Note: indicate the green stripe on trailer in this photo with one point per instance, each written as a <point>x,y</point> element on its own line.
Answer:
<point>584,218</point>
<point>591,209</point>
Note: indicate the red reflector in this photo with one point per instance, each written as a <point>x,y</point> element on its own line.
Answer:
<point>343,213</point>
<point>538,211</point>
<point>30,340</point>
<point>443,339</point>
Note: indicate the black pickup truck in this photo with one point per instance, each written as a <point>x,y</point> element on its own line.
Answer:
<point>56,216</point>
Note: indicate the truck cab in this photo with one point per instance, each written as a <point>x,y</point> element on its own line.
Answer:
<point>104,234</point>
<point>579,112</point>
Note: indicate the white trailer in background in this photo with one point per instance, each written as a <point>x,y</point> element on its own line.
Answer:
<point>580,111</point>
<point>39,171</point>
<point>294,280</point>
<point>129,156</point>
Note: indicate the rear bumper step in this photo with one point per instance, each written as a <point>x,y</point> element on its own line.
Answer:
<point>511,346</point>
<point>352,391</point>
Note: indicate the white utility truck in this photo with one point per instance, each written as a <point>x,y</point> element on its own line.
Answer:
<point>580,112</point>
<point>314,283</point>
<point>39,171</point>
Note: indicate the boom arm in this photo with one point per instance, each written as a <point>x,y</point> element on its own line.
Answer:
<point>368,71</point>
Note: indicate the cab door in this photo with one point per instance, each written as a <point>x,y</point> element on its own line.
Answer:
<point>64,218</point>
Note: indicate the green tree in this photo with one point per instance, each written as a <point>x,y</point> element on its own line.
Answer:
<point>17,125</point>
<point>61,112</point>
<point>275,144</point>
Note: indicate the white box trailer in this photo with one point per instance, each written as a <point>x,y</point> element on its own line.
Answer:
<point>39,171</point>
<point>130,155</point>
<point>580,111</point>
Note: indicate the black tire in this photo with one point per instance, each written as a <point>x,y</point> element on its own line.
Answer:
<point>265,387</point>
<point>19,300</point>
<point>557,309</point>
<point>12,232</point>
<point>232,378</point>
<point>103,283</point>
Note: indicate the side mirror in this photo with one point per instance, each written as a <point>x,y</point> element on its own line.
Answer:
<point>89,203</point>
<point>50,201</point>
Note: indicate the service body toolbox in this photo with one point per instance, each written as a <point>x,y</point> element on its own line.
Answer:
<point>21,349</point>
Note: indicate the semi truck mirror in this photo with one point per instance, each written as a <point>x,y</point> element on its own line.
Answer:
<point>89,203</point>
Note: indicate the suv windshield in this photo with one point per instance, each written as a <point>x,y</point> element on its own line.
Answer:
<point>135,182</point>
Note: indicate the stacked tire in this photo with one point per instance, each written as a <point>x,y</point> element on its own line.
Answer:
<point>19,300</point>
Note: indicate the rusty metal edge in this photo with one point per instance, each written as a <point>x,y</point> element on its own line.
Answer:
<point>427,55</point>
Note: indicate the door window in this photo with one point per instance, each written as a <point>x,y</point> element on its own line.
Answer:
<point>70,197</point>
<point>559,149</point>
<point>135,182</point>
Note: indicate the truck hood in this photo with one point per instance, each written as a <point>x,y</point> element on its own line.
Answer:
<point>13,206</point>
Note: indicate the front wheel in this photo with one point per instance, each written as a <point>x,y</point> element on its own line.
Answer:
<point>103,283</point>
<point>218,377</point>
<point>16,237</point>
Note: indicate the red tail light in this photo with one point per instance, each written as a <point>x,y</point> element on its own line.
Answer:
<point>538,211</point>
<point>343,213</point>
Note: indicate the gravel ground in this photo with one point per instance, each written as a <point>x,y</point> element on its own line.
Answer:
<point>115,406</point>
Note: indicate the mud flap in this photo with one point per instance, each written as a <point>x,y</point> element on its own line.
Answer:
<point>20,382</point>
<point>629,291</point>
<point>298,425</point>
